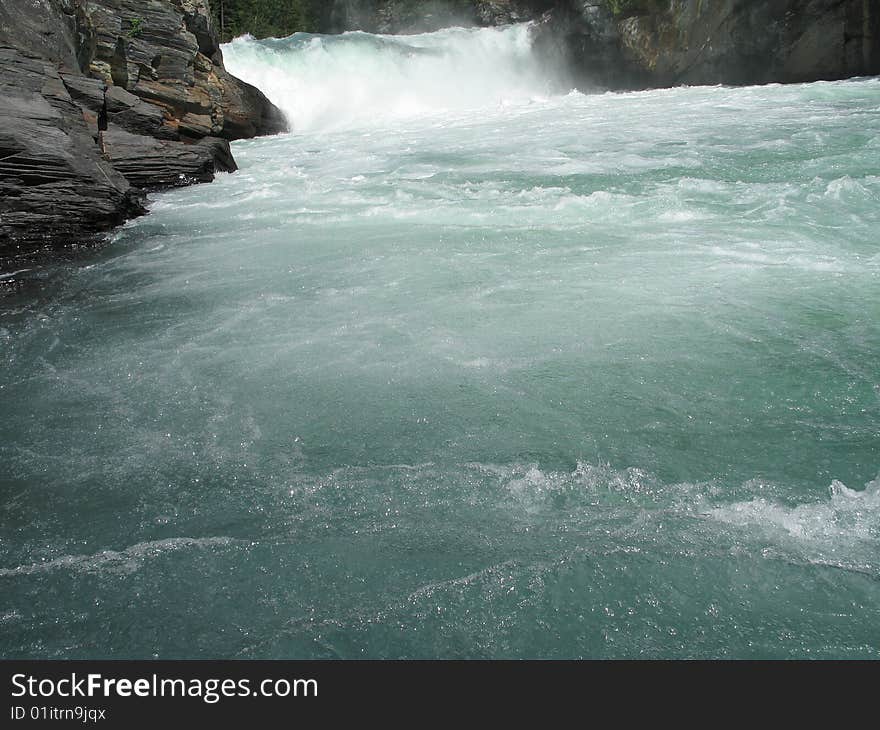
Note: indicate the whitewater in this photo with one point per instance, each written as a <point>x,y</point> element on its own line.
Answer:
<point>470,364</point>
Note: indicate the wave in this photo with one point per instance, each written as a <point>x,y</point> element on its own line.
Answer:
<point>357,79</point>
<point>842,531</point>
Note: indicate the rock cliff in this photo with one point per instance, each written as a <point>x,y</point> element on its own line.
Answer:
<point>103,99</point>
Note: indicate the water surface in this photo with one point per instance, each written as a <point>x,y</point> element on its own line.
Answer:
<point>468,365</point>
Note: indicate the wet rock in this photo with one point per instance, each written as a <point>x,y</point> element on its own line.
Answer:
<point>645,43</point>
<point>149,163</point>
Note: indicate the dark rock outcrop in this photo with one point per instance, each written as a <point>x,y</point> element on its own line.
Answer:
<point>747,42</point>
<point>152,164</point>
<point>167,53</point>
<point>102,99</point>
<point>54,183</point>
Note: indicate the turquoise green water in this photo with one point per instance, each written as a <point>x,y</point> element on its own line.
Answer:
<point>474,370</point>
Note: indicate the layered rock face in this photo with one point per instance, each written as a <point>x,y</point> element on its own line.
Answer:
<point>54,183</point>
<point>102,99</point>
<point>167,54</point>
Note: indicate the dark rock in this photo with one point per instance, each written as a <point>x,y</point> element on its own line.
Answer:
<point>87,92</point>
<point>129,112</point>
<point>150,163</point>
<point>47,29</point>
<point>246,112</point>
<point>54,184</point>
<point>586,34</point>
<point>744,42</point>
<point>654,43</point>
<point>500,12</point>
<point>89,95</point>
<point>168,54</point>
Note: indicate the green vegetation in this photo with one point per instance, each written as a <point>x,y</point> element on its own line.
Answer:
<point>624,8</point>
<point>262,18</point>
<point>135,27</point>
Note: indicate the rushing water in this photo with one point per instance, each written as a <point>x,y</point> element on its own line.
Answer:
<point>466,366</point>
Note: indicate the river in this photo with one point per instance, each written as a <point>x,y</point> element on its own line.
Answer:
<point>469,364</point>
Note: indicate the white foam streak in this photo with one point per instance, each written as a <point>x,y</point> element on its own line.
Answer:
<point>841,532</point>
<point>122,562</point>
<point>847,513</point>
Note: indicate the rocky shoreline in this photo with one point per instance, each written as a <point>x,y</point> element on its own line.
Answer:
<point>103,100</point>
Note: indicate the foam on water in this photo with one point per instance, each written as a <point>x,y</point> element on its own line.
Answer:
<point>843,531</point>
<point>357,79</point>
